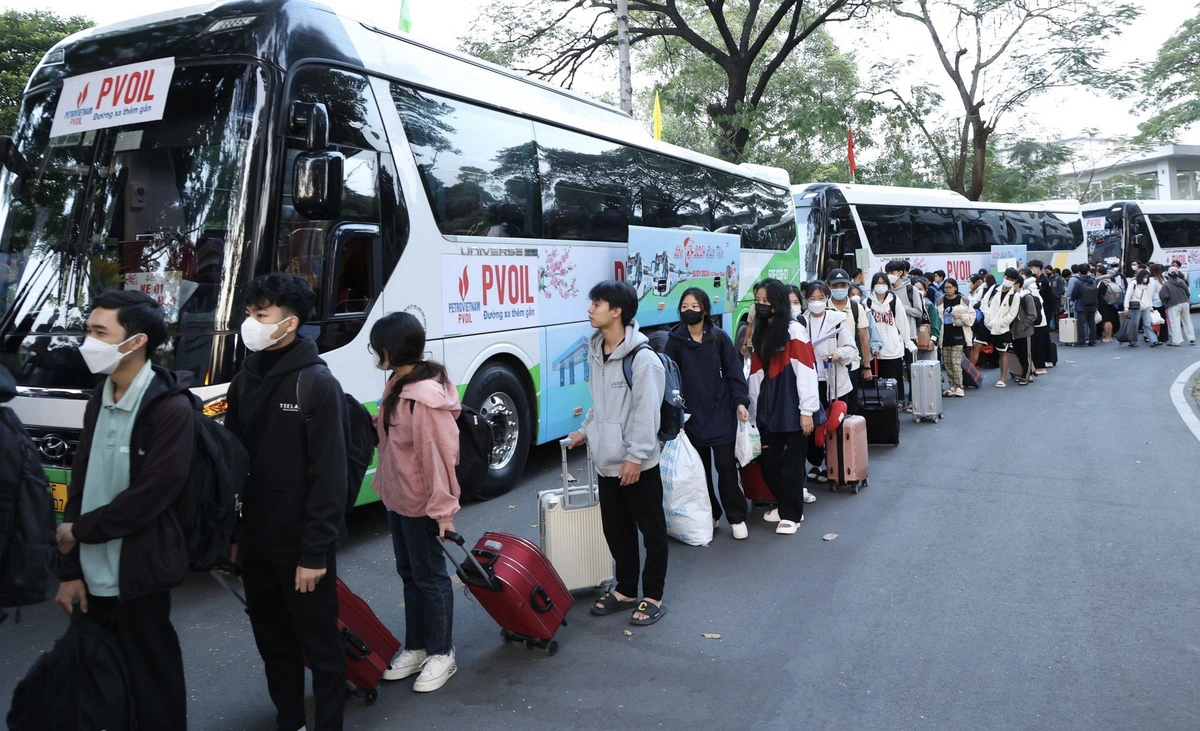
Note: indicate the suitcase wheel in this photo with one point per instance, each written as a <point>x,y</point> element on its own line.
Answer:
<point>552,648</point>
<point>370,697</point>
<point>506,636</point>
<point>832,487</point>
<point>855,488</point>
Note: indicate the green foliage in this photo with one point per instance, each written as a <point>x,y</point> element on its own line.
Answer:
<point>1024,170</point>
<point>1172,85</point>
<point>24,39</point>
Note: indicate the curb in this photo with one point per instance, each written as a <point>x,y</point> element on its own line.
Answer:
<point>1186,410</point>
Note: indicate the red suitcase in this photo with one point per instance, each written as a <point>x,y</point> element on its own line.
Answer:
<point>846,455</point>
<point>754,487</point>
<point>516,584</point>
<point>370,646</point>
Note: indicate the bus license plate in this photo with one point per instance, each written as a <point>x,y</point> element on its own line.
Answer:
<point>59,490</point>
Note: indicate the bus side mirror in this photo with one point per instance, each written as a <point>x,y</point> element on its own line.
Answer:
<point>833,224</point>
<point>310,120</point>
<point>835,246</point>
<point>317,180</point>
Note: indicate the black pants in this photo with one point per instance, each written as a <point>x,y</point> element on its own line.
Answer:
<point>625,512</point>
<point>851,397</point>
<point>727,476</point>
<point>816,455</point>
<point>1040,346</point>
<point>290,626</point>
<point>1019,363</point>
<point>152,657</point>
<point>894,368</point>
<point>783,470</point>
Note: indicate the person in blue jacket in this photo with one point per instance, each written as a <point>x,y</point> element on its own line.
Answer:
<point>715,391</point>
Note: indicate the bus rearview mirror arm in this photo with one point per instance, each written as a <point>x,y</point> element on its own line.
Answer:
<point>310,119</point>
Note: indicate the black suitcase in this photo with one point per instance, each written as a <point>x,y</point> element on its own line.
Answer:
<point>1052,353</point>
<point>877,401</point>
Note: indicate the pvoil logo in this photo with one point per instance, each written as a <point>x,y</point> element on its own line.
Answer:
<point>82,98</point>
<point>464,285</point>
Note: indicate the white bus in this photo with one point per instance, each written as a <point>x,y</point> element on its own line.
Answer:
<point>1146,231</point>
<point>184,153</point>
<point>865,226</point>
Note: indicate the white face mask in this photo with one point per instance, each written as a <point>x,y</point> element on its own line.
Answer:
<point>893,278</point>
<point>816,307</point>
<point>881,288</point>
<point>1007,284</point>
<point>256,335</point>
<point>102,357</point>
<point>797,310</point>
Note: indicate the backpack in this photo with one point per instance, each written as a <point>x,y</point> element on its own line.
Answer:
<point>26,518</point>
<point>1090,296</point>
<point>1027,314</point>
<point>357,426</point>
<point>1113,292</point>
<point>216,482</point>
<point>475,442</point>
<point>671,409</point>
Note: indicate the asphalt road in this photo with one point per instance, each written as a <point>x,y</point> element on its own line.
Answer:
<point>1031,561</point>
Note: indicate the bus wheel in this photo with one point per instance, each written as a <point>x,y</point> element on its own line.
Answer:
<point>496,393</point>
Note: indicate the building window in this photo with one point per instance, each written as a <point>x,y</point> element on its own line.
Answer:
<point>1188,182</point>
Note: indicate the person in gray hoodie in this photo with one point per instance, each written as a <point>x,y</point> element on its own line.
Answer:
<point>621,431</point>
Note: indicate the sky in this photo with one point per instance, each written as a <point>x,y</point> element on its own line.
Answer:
<point>1057,115</point>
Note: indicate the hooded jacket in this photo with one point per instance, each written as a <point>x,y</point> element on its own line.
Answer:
<point>149,514</point>
<point>785,388</point>
<point>1075,292</point>
<point>419,450</point>
<point>293,511</point>
<point>1030,286</point>
<point>1174,291</point>
<point>1000,309</point>
<point>622,425</point>
<point>713,384</point>
<point>892,321</point>
<point>836,373</point>
<point>1143,293</point>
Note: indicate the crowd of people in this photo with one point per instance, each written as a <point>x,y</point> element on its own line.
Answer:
<point>807,347</point>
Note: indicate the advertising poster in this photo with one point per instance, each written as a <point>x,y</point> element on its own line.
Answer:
<point>565,376</point>
<point>488,293</point>
<point>169,289</point>
<point>1194,285</point>
<point>1007,255</point>
<point>662,263</point>
<point>112,98</point>
<point>566,274</point>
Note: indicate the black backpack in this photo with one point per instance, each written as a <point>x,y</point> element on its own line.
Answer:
<point>1090,297</point>
<point>26,518</point>
<point>359,430</point>
<point>216,482</point>
<point>671,410</point>
<point>475,442</point>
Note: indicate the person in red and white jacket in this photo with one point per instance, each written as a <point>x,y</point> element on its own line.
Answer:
<point>783,400</point>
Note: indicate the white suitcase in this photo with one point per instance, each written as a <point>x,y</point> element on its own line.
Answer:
<point>570,530</point>
<point>926,382</point>
<point>1068,331</point>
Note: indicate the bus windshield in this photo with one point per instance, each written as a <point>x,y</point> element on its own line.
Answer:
<point>159,206</point>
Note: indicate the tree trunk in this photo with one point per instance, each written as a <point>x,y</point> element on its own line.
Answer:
<point>626,72</point>
<point>979,140</point>
<point>732,144</point>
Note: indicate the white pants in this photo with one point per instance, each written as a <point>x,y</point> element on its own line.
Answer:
<point>1179,323</point>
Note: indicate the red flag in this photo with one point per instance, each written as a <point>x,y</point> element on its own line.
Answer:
<point>850,150</point>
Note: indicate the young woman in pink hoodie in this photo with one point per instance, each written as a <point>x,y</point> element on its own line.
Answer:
<point>418,450</point>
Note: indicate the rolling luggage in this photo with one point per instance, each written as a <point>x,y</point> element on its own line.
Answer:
<point>570,530</point>
<point>754,487</point>
<point>846,455</point>
<point>878,403</point>
<point>972,378</point>
<point>1068,331</point>
<point>1051,354</point>
<point>511,578</point>
<point>926,381</point>
<point>370,645</point>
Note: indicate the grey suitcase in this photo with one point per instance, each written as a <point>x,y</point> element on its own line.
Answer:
<point>570,530</point>
<point>926,381</point>
<point>1068,331</point>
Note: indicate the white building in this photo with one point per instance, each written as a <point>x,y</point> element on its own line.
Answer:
<point>1106,169</point>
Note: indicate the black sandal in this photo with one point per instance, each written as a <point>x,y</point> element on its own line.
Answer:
<point>610,604</point>
<point>653,612</point>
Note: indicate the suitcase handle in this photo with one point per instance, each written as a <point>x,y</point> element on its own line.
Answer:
<point>356,649</point>
<point>481,577</point>
<point>540,593</point>
<point>590,494</point>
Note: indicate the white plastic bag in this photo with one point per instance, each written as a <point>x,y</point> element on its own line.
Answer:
<point>748,445</point>
<point>685,493</point>
<point>1155,318</point>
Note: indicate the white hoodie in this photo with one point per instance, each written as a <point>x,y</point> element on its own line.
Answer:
<point>892,330</point>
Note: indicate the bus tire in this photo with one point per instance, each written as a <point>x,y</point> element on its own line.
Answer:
<point>497,393</point>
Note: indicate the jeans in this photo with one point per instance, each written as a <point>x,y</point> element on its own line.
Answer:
<point>1179,323</point>
<point>782,458</point>
<point>290,627</point>
<point>1086,319</point>
<point>626,511</point>
<point>727,477</point>
<point>1143,318</point>
<point>428,593</point>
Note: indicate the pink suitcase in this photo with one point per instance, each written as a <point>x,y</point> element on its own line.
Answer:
<point>516,584</point>
<point>846,455</point>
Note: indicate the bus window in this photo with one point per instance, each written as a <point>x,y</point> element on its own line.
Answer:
<point>354,119</point>
<point>1024,229</point>
<point>888,230</point>
<point>934,231</point>
<point>671,193</point>
<point>1176,231</point>
<point>477,165</point>
<point>357,279</point>
<point>586,191</point>
<point>981,229</point>
<point>1059,235</point>
<point>733,204</point>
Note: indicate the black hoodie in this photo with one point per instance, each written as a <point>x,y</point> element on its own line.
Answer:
<point>154,554</point>
<point>293,510</point>
<point>713,384</point>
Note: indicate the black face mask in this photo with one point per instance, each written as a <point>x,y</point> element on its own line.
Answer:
<point>691,317</point>
<point>763,310</point>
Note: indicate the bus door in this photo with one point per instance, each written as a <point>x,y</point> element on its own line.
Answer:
<point>842,233</point>
<point>1138,244</point>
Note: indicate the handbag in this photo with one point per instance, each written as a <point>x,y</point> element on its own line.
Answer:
<point>1135,305</point>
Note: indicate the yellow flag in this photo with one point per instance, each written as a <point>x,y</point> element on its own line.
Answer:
<point>657,118</point>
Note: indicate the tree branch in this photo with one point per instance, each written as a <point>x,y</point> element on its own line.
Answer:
<point>943,161</point>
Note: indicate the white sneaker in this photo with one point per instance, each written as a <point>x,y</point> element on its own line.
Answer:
<point>716,523</point>
<point>771,516</point>
<point>436,671</point>
<point>787,527</point>
<point>404,664</point>
<point>809,497</point>
<point>740,532</point>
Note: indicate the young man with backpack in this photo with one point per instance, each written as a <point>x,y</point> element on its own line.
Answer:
<point>622,434</point>
<point>861,320</point>
<point>293,509</point>
<point>123,548</point>
<point>1083,291</point>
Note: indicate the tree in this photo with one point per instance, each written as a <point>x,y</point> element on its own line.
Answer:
<point>997,55</point>
<point>748,41</point>
<point>1172,85</point>
<point>1024,170</point>
<point>25,37</point>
